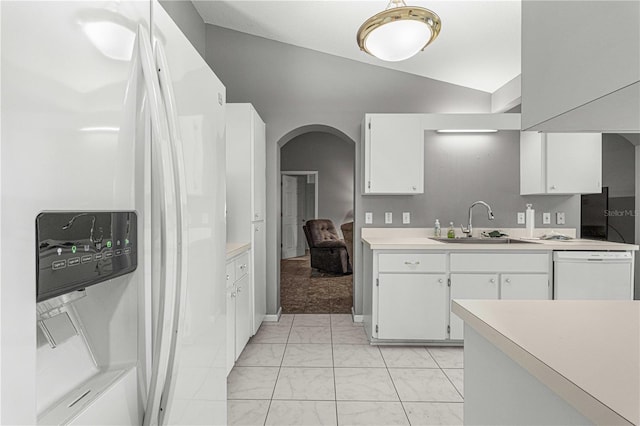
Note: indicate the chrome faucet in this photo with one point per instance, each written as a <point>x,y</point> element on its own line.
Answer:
<point>469,229</point>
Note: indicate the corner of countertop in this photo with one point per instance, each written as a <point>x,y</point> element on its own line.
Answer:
<point>235,248</point>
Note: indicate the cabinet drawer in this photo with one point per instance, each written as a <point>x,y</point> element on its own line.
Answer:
<point>500,262</point>
<point>412,262</point>
<point>525,287</point>
<point>231,273</point>
<point>242,265</point>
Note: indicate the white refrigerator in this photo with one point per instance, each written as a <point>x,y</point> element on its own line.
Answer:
<point>106,107</point>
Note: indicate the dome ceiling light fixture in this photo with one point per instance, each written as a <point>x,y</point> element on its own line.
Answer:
<point>398,32</point>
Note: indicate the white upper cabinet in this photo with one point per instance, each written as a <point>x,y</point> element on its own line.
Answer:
<point>393,154</point>
<point>246,170</point>
<point>258,162</point>
<point>560,163</point>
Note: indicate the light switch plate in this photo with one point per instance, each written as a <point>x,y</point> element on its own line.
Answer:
<point>520,218</point>
<point>406,218</point>
<point>368,218</point>
<point>560,218</point>
<point>388,217</point>
<point>546,218</point>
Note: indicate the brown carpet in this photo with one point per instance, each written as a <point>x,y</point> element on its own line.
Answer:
<point>304,290</point>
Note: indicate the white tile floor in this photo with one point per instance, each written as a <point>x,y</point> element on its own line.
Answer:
<point>320,370</point>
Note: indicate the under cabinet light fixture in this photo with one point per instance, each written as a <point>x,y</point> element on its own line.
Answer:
<point>466,131</point>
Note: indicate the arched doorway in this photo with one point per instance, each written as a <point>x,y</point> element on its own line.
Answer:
<point>317,172</point>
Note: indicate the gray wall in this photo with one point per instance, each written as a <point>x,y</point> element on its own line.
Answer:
<point>618,173</point>
<point>618,165</point>
<point>568,69</point>
<point>188,20</point>
<point>463,168</point>
<point>296,90</point>
<point>334,160</point>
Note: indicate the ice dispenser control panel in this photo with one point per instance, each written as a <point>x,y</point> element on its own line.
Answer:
<point>76,250</point>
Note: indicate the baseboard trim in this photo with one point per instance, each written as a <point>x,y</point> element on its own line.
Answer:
<point>356,318</point>
<point>273,317</point>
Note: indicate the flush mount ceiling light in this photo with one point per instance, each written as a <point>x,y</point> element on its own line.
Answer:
<point>398,32</point>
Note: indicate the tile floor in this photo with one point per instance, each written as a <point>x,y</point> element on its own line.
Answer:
<point>318,369</point>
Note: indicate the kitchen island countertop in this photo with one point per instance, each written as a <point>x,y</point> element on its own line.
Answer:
<point>587,352</point>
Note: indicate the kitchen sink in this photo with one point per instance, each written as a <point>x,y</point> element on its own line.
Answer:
<point>473,240</point>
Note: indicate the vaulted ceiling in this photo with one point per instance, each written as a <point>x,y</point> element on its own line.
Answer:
<point>478,47</point>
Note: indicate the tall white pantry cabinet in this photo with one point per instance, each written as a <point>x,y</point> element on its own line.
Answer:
<point>246,192</point>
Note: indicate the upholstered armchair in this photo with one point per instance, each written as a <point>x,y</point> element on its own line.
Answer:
<point>328,251</point>
<point>347,234</point>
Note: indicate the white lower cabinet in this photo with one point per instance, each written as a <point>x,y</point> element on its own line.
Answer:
<point>411,292</point>
<point>243,314</point>
<point>470,286</point>
<point>231,327</point>
<point>525,286</point>
<point>412,306</point>
<point>239,304</point>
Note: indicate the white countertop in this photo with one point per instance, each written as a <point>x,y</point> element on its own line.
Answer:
<point>588,352</point>
<point>234,249</point>
<point>419,239</point>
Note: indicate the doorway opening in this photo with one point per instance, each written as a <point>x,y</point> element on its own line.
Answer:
<point>299,196</point>
<point>317,170</point>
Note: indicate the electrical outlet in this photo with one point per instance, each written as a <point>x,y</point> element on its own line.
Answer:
<point>406,218</point>
<point>368,218</point>
<point>388,217</point>
<point>546,218</point>
<point>520,218</point>
<point>560,218</point>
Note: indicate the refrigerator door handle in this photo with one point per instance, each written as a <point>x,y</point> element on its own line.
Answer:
<point>161,151</point>
<point>164,77</point>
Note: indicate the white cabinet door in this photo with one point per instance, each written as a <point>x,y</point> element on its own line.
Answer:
<point>560,163</point>
<point>243,314</point>
<point>412,306</point>
<point>246,170</point>
<point>259,275</point>
<point>231,327</point>
<point>258,163</point>
<point>574,163</point>
<point>470,286</point>
<point>393,154</point>
<point>525,286</point>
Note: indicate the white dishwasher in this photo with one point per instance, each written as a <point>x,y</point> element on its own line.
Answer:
<point>602,275</point>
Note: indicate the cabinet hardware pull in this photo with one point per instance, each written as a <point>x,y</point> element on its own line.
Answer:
<point>508,280</point>
<point>228,277</point>
<point>492,280</point>
<point>406,262</point>
<point>440,280</point>
<point>233,295</point>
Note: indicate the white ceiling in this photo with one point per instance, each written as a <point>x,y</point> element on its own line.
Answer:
<point>478,47</point>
